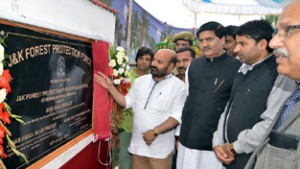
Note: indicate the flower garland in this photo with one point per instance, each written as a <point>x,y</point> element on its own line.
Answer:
<point>5,110</point>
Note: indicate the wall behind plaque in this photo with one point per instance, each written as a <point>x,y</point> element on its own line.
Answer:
<point>78,17</point>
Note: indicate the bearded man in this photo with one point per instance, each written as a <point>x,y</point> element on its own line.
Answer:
<point>155,115</point>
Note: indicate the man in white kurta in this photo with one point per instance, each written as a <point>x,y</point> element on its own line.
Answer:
<point>166,100</point>
<point>157,101</point>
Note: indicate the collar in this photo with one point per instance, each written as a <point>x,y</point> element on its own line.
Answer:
<point>168,76</point>
<point>133,71</point>
<point>245,67</point>
<point>164,78</point>
<point>216,59</point>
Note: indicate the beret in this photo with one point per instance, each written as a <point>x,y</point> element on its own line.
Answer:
<point>188,36</point>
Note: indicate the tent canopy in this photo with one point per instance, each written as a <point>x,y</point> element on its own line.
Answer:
<point>237,7</point>
<point>192,13</point>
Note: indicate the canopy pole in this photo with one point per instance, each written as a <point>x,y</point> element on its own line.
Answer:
<point>195,23</point>
<point>129,26</point>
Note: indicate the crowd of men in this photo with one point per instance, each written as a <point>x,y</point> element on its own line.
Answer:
<point>235,107</point>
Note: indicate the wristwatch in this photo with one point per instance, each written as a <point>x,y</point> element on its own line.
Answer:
<point>155,132</point>
<point>231,148</point>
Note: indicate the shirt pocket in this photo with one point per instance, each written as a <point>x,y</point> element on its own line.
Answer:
<point>140,101</point>
<point>275,157</point>
<point>160,103</point>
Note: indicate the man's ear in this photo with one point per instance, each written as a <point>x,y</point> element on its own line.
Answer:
<point>171,66</point>
<point>263,44</point>
<point>223,40</point>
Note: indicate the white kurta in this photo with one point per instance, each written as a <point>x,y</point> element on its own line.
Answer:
<point>153,103</point>
<point>196,159</point>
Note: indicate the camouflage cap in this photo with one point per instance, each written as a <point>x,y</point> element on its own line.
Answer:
<point>188,36</point>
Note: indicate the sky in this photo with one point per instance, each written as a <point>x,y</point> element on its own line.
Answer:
<point>175,13</point>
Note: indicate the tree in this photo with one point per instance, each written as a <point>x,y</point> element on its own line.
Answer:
<point>271,19</point>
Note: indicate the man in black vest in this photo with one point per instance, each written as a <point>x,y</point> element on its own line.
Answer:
<point>241,126</point>
<point>210,79</point>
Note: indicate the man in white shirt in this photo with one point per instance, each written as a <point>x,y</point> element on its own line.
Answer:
<point>157,101</point>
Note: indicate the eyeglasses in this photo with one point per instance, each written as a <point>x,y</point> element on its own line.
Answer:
<point>288,30</point>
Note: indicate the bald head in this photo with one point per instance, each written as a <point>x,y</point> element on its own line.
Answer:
<point>163,62</point>
<point>168,53</point>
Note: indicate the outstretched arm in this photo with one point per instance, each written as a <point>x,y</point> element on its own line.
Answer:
<point>105,82</point>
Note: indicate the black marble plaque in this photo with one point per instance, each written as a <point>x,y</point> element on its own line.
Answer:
<point>51,90</point>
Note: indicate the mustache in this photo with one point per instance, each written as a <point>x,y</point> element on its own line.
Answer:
<point>281,52</point>
<point>183,68</point>
<point>206,47</point>
<point>153,67</point>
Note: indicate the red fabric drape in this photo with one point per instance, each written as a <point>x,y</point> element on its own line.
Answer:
<point>100,104</point>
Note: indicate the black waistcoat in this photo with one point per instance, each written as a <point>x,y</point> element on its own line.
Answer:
<point>250,93</point>
<point>210,83</point>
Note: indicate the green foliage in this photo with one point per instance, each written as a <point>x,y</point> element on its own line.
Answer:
<point>271,19</point>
